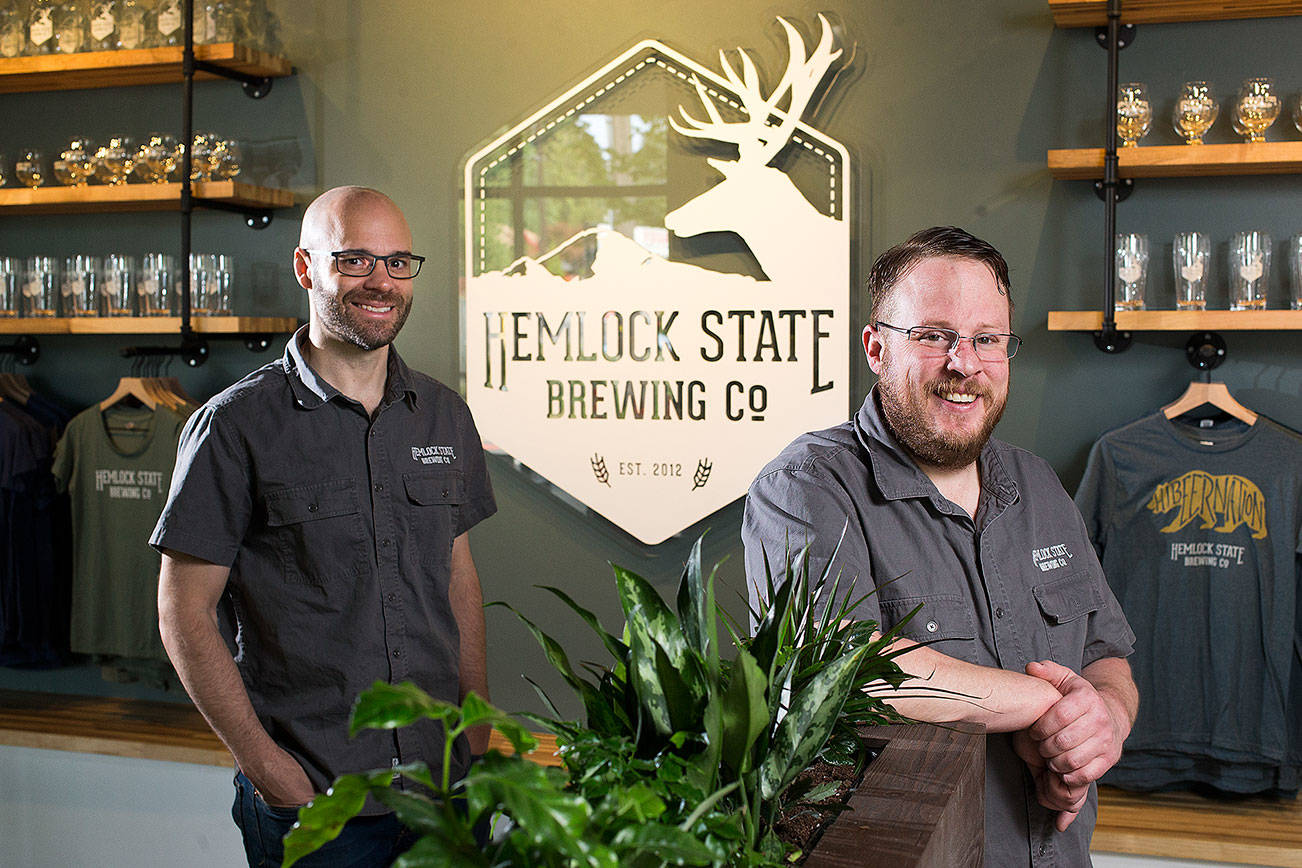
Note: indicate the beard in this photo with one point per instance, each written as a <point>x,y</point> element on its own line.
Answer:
<point>904,407</point>
<point>337,314</point>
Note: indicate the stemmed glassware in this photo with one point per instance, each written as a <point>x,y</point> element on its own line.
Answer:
<point>1195,112</point>
<point>29,168</point>
<point>114,161</point>
<point>1256,109</point>
<point>156,158</point>
<point>76,162</point>
<point>1134,113</point>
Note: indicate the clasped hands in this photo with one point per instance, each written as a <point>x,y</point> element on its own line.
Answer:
<point>1071,745</point>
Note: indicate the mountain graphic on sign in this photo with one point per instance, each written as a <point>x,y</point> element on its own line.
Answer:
<point>613,257</point>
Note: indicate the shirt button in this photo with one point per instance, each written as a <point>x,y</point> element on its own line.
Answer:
<point>999,613</point>
<point>392,597</point>
<point>445,492</point>
<point>312,507</point>
<point>932,626</point>
<point>379,486</point>
<point>384,543</point>
<point>397,653</point>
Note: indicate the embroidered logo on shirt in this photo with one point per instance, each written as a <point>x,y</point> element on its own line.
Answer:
<point>1232,500</point>
<point>433,454</point>
<point>1051,558</point>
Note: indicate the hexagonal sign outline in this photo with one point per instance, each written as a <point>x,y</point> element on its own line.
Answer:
<point>617,463</point>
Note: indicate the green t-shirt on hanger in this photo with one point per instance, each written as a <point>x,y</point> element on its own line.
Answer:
<point>116,466</point>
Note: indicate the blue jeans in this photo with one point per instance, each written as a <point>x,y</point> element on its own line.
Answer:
<point>363,843</point>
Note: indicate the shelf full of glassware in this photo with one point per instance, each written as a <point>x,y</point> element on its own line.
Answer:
<point>128,67</point>
<point>1178,320</point>
<point>146,325</point>
<point>136,197</point>
<point>1093,13</point>
<point>1180,161</point>
<point>1196,160</point>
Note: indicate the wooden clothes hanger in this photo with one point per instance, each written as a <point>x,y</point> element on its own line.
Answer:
<point>1216,394</point>
<point>16,387</point>
<point>130,387</point>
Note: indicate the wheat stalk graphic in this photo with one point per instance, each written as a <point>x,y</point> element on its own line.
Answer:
<point>599,470</point>
<point>702,475</point>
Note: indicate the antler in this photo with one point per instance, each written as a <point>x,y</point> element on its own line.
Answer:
<point>756,141</point>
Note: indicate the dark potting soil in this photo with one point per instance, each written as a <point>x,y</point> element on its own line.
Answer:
<point>800,824</point>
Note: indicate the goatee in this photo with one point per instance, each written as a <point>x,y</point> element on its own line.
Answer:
<point>908,420</point>
<point>367,335</point>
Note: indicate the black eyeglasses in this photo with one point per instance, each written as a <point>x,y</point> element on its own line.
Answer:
<point>359,263</point>
<point>935,341</point>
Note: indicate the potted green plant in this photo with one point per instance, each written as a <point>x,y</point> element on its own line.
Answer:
<point>684,757</point>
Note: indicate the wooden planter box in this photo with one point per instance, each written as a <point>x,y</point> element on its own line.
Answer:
<point>921,803</point>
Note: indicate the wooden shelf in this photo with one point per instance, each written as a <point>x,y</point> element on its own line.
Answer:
<point>1254,831</point>
<point>130,67</point>
<point>1178,320</point>
<point>1094,13</point>
<point>147,325</point>
<point>1181,161</point>
<point>135,197</point>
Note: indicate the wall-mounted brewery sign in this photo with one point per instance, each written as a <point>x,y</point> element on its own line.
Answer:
<point>657,281</point>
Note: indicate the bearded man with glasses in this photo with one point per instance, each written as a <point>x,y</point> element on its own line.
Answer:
<point>315,541</point>
<point>917,502</point>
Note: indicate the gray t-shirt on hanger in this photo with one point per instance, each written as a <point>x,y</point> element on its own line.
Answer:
<point>1199,526</point>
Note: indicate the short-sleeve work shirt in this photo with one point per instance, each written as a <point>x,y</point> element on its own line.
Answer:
<point>338,530</point>
<point>1019,582</point>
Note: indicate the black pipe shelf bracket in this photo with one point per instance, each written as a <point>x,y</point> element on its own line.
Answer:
<point>1112,189</point>
<point>254,86</point>
<point>26,350</point>
<point>1205,350</point>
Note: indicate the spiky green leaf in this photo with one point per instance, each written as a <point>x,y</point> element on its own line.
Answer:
<point>805,728</point>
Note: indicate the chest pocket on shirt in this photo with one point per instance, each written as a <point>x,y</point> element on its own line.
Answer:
<point>1066,605</point>
<point>437,496</point>
<point>321,531</point>
<point>944,620</point>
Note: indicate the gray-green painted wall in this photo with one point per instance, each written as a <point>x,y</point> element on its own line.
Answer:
<point>948,109</point>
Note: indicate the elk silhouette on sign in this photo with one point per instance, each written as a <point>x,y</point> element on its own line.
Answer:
<point>755,200</point>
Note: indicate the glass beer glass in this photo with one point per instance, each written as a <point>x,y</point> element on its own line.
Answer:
<point>1191,255</point>
<point>1132,270</point>
<point>1249,270</point>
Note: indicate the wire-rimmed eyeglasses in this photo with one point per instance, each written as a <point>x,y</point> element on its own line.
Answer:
<point>936,341</point>
<point>360,263</point>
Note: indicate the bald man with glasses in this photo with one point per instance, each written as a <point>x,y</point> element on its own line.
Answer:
<point>315,541</point>
<point>1015,612</point>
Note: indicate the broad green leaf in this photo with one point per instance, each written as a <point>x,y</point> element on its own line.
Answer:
<point>390,706</point>
<point>803,731</point>
<point>321,820</point>
<point>670,844</point>
<point>424,816</point>
<point>418,772</point>
<point>434,852</point>
<point>637,802</point>
<point>644,678</point>
<point>696,610</point>
<point>745,712</point>
<point>824,790</point>
<point>684,704</point>
<point>644,609</point>
<point>533,798</point>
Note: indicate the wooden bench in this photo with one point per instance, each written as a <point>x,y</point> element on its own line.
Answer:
<point>1173,825</point>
